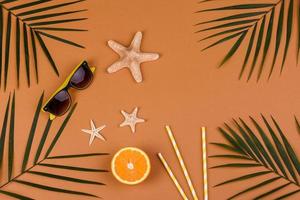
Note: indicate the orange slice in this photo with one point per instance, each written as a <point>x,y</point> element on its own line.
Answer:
<point>130,166</point>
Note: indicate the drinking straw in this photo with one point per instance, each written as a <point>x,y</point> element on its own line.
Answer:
<point>204,161</point>
<point>180,159</point>
<point>172,176</point>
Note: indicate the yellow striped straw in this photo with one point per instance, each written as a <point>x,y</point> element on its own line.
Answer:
<point>204,161</point>
<point>172,176</point>
<point>180,159</point>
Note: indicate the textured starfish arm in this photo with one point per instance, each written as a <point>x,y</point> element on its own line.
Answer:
<point>124,124</point>
<point>100,128</point>
<point>116,66</point>
<point>140,120</point>
<point>118,48</point>
<point>87,131</point>
<point>132,127</point>
<point>144,57</point>
<point>135,111</point>
<point>136,72</point>
<point>136,42</point>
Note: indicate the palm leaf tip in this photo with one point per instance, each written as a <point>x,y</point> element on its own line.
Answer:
<point>3,131</point>
<point>255,15</point>
<point>297,124</point>
<point>25,48</point>
<point>53,189</point>
<point>11,139</point>
<point>32,133</point>
<point>275,151</point>
<point>7,145</point>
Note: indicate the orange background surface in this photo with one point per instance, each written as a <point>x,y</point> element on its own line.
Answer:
<point>183,88</point>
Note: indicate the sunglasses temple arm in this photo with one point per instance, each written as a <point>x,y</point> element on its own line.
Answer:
<point>52,117</point>
<point>93,69</point>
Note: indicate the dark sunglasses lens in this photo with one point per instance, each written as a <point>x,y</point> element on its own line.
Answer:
<point>82,77</point>
<point>59,104</point>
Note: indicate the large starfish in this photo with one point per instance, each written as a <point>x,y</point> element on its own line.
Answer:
<point>131,57</point>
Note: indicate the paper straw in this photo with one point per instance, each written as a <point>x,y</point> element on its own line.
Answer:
<point>204,161</point>
<point>172,176</point>
<point>180,159</point>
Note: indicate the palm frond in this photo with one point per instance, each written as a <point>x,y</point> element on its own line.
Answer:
<point>15,195</point>
<point>72,168</point>
<point>53,189</point>
<point>298,52</point>
<point>297,125</point>
<point>31,18</point>
<point>11,139</point>
<point>77,155</point>
<point>7,147</point>
<point>274,156</point>
<point>3,132</point>
<point>265,24</point>
<point>65,178</point>
<point>31,133</point>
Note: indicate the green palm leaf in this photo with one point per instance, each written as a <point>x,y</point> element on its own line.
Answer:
<point>31,17</point>
<point>298,32</point>
<point>26,49</point>
<point>65,178</point>
<point>42,141</point>
<point>7,48</point>
<point>289,26</point>
<point>272,191</point>
<point>245,177</point>
<point>234,48</point>
<point>262,19</point>
<point>297,124</point>
<point>288,147</point>
<point>257,50</point>
<point>15,195</point>
<point>259,185</point>
<point>237,165</point>
<point>1,42</point>
<point>72,168</point>
<point>7,148</point>
<point>3,132</point>
<point>267,41</point>
<point>33,44</point>
<point>60,39</point>
<point>270,147</point>
<point>53,189</point>
<point>274,154</point>
<point>280,148</point>
<point>278,35</point>
<point>230,156</point>
<point>31,133</point>
<point>251,144</point>
<point>11,139</point>
<point>18,52</point>
<point>46,16</point>
<point>77,155</point>
<point>260,146</point>
<point>60,131</point>
<point>287,195</point>
<point>242,7</point>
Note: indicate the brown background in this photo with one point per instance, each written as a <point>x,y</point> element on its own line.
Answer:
<point>183,88</point>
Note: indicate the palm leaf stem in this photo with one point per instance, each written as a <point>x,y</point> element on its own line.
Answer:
<point>22,173</point>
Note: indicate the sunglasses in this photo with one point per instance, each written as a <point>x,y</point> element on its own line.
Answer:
<point>79,79</point>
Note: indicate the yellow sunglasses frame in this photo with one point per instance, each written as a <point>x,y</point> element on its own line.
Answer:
<point>62,86</point>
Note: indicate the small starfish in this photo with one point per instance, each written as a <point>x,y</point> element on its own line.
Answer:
<point>131,57</point>
<point>131,119</point>
<point>94,132</point>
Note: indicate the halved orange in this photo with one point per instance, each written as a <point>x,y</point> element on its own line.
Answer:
<point>130,166</point>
